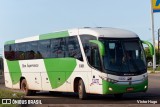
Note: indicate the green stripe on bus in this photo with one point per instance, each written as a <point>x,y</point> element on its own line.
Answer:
<point>117,88</point>
<point>54,35</point>
<point>14,71</point>
<point>59,70</point>
<point>10,42</point>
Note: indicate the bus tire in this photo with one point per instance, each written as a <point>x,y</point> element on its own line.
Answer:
<point>81,90</point>
<point>25,89</point>
<point>118,96</point>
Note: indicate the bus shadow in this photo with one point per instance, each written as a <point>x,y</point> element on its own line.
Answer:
<point>127,96</point>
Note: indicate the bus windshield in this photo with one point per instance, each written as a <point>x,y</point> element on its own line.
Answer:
<point>124,56</point>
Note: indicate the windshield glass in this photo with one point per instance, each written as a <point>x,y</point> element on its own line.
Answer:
<point>124,56</point>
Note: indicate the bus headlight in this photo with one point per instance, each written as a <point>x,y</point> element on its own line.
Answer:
<point>108,79</point>
<point>145,87</point>
<point>110,89</point>
<point>111,80</point>
<point>103,78</point>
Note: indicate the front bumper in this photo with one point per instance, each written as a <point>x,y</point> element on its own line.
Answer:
<point>111,88</point>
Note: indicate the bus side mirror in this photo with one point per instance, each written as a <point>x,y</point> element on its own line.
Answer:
<point>151,48</point>
<point>100,46</point>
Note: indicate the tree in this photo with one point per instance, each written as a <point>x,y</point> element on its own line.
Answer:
<point>149,56</point>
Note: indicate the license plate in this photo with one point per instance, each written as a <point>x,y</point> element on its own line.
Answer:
<point>130,89</point>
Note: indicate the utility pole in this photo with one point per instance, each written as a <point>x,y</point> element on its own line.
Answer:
<point>153,37</point>
<point>158,47</point>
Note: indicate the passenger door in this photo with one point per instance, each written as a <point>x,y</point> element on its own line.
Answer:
<point>96,83</point>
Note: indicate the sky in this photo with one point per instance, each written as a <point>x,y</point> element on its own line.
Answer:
<point>25,18</point>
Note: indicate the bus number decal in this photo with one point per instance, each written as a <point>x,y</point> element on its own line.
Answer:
<point>81,65</point>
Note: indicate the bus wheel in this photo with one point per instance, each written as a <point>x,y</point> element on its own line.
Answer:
<point>24,88</point>
<point>118,96</point>
<point>81,90</point>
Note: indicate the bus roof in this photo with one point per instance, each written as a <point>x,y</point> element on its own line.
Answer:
<point>98,32</point>
<point>110,32</point>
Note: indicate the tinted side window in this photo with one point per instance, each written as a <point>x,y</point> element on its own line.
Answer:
<point>1,66</point>
<point>9,52</point>
<point>85,42</point>
<point>31,50</point>
<point>58,48</point>
<point>20,51</point>
<point>95,58</point>
<point>74,48</point>
<point>6,51</point>
<point>44,49</point>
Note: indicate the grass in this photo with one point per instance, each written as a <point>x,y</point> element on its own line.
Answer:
<point>151,69</point>
<point>10,94</point>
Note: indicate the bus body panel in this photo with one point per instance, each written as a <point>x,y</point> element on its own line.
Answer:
<point>46,85</point>
<point>33,80</point>
<point>95,82</point>
<point>8,81</point>
<point>7,78</point>
<point>34,38</point>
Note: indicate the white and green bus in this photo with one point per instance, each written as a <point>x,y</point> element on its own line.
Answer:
<point>82,60</point>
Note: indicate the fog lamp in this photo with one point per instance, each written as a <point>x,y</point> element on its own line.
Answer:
<point>145,87</point>
<point>110,89</point>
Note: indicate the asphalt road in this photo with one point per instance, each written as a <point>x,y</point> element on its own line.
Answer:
<point>71,99</point>
<point>131,99</point>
